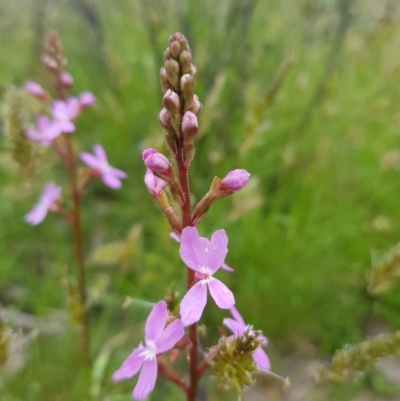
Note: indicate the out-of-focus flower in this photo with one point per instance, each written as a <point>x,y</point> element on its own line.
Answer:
<point>158,339</point>
<point>46,204</point>
<point>205,258</point>
<point>154,184</point>
<point>46,131</point>
<point>66,79</point>
<point>64,113</point>
<point>35,89</point>
<point>86,99</point>
<point>235,180</point>
<point>238,328</point>
<point>98,161</point>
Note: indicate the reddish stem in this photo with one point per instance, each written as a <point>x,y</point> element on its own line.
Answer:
<point>171,375</point>
<point>203,366</point>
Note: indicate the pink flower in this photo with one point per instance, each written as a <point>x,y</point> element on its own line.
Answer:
<point>235,180</point>
<point>46,204</point>
<point>64,112</point>
<point>66,79</point>
<point>205,258</point>
<point>224,266</point>
<point>98,161</point>
<point>154,184</point>
<point>158,339</point>
<point>35,89</point>
<point>238,327</point>
<point>47,130</point>
<point>86,99</point>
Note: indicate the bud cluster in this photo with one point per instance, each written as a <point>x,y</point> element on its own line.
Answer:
<point>181,105</point>
<point>233,362</point>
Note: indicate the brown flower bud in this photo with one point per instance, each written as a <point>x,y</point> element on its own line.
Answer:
<point>171,101</point>
<point>175,49</point>
<point>185,59</point>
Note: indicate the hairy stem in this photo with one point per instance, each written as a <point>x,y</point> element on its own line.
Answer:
<point>77,240</point>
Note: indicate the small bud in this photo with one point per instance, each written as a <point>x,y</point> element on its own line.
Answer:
<point>172,70</point>
<point>196,106</point>
<point>234,180</point>
<point>190,125</point>
<point>171,102</point>
<point>156,162</point>
<point>175,48</point>
<point>193,71</point>
<point>35,89</point>
<point>187,83</point>
<point>185,59</point>
<point>164,119</point>
<point>86,99</point>
<point>66,79</point>
<point>167,54</point>
<point>154,184</point>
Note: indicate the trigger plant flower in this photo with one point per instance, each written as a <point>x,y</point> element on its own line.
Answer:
<point>98,161</point>
<point>238,328</point>
<point>46,131</point>
<point>46,204</point>
<point>65,112</point>
<point>158,339</point>
<point>205,257</point>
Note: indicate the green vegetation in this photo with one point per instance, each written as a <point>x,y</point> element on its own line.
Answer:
<point>301,93</point>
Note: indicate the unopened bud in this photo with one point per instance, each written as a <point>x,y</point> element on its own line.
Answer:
<point>175,48</point>
<point>185,59</point>
<point>190,125</point>
<point>35,89</point>
<point>234,180</point>
<point>171,101</point>
<point>154,184</point>
<point>187,83</point>
<point>156,161</point>
<point>86,99</point>
<point>172,70</point>
<point>66,79</point>
<point>195,106</point>
<point>164,119</point>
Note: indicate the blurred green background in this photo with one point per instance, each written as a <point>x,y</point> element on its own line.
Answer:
<point>303,94</point>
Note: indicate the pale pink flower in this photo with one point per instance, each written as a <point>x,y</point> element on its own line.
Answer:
<point>156,161</point>
<point>158,339</point>
<point>98,161</point>
<point>224,266</point>
<point>46,204</point>
<point>64,113</point>
<point>235,180</point>
<point>66,79</point>
<point>86,99</point>
<point>238,328</point>
<point>46,131</point>
<point>35,89</point>
<point>153,183</point>
<point>205,258</point>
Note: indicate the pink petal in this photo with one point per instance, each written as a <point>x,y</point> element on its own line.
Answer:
<point>66,126</point>
<point>118,173</point>
<point>175,237</point>
<point>130,366</point>
<point>111,180</point>
<point>34,135</point>
<point>193,303</point>
<point>42,122</point>
<point>227,268</point>
<point>100,153</point>
<point>192,249</point>
<point>72,107</point>
<point>170,336</point>
<point>217,250</point>
<point>236,315</point>
<point>147,380</point>
<point>90,160</point>
<point>50,193</point>
<point>261,359</point>
<point>58,109</point>
<point>221,294</point>
<point>234,326</point>
<point>156,320</point>
<point>36,215</point>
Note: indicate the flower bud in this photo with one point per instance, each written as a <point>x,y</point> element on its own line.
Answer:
<point>164,119</point>
<point>195,106</point>
<point>190,125</point>
<point>156,161</point>
<point>66,79</point>
<point>86,99</point>
<point>172,70</point>
<point>185,59</point>
<point>154,184</point>
<point>171,101</point>
<point>187,83</point>
<point>234,180</point>
<point>35,89</point>
<point>175,48</point>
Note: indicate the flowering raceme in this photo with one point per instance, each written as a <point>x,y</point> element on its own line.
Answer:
<point>205,258</point>
<point>98,161</point>
<point>238,328</point>
<point>158,339</point>
<point>46,204</point>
